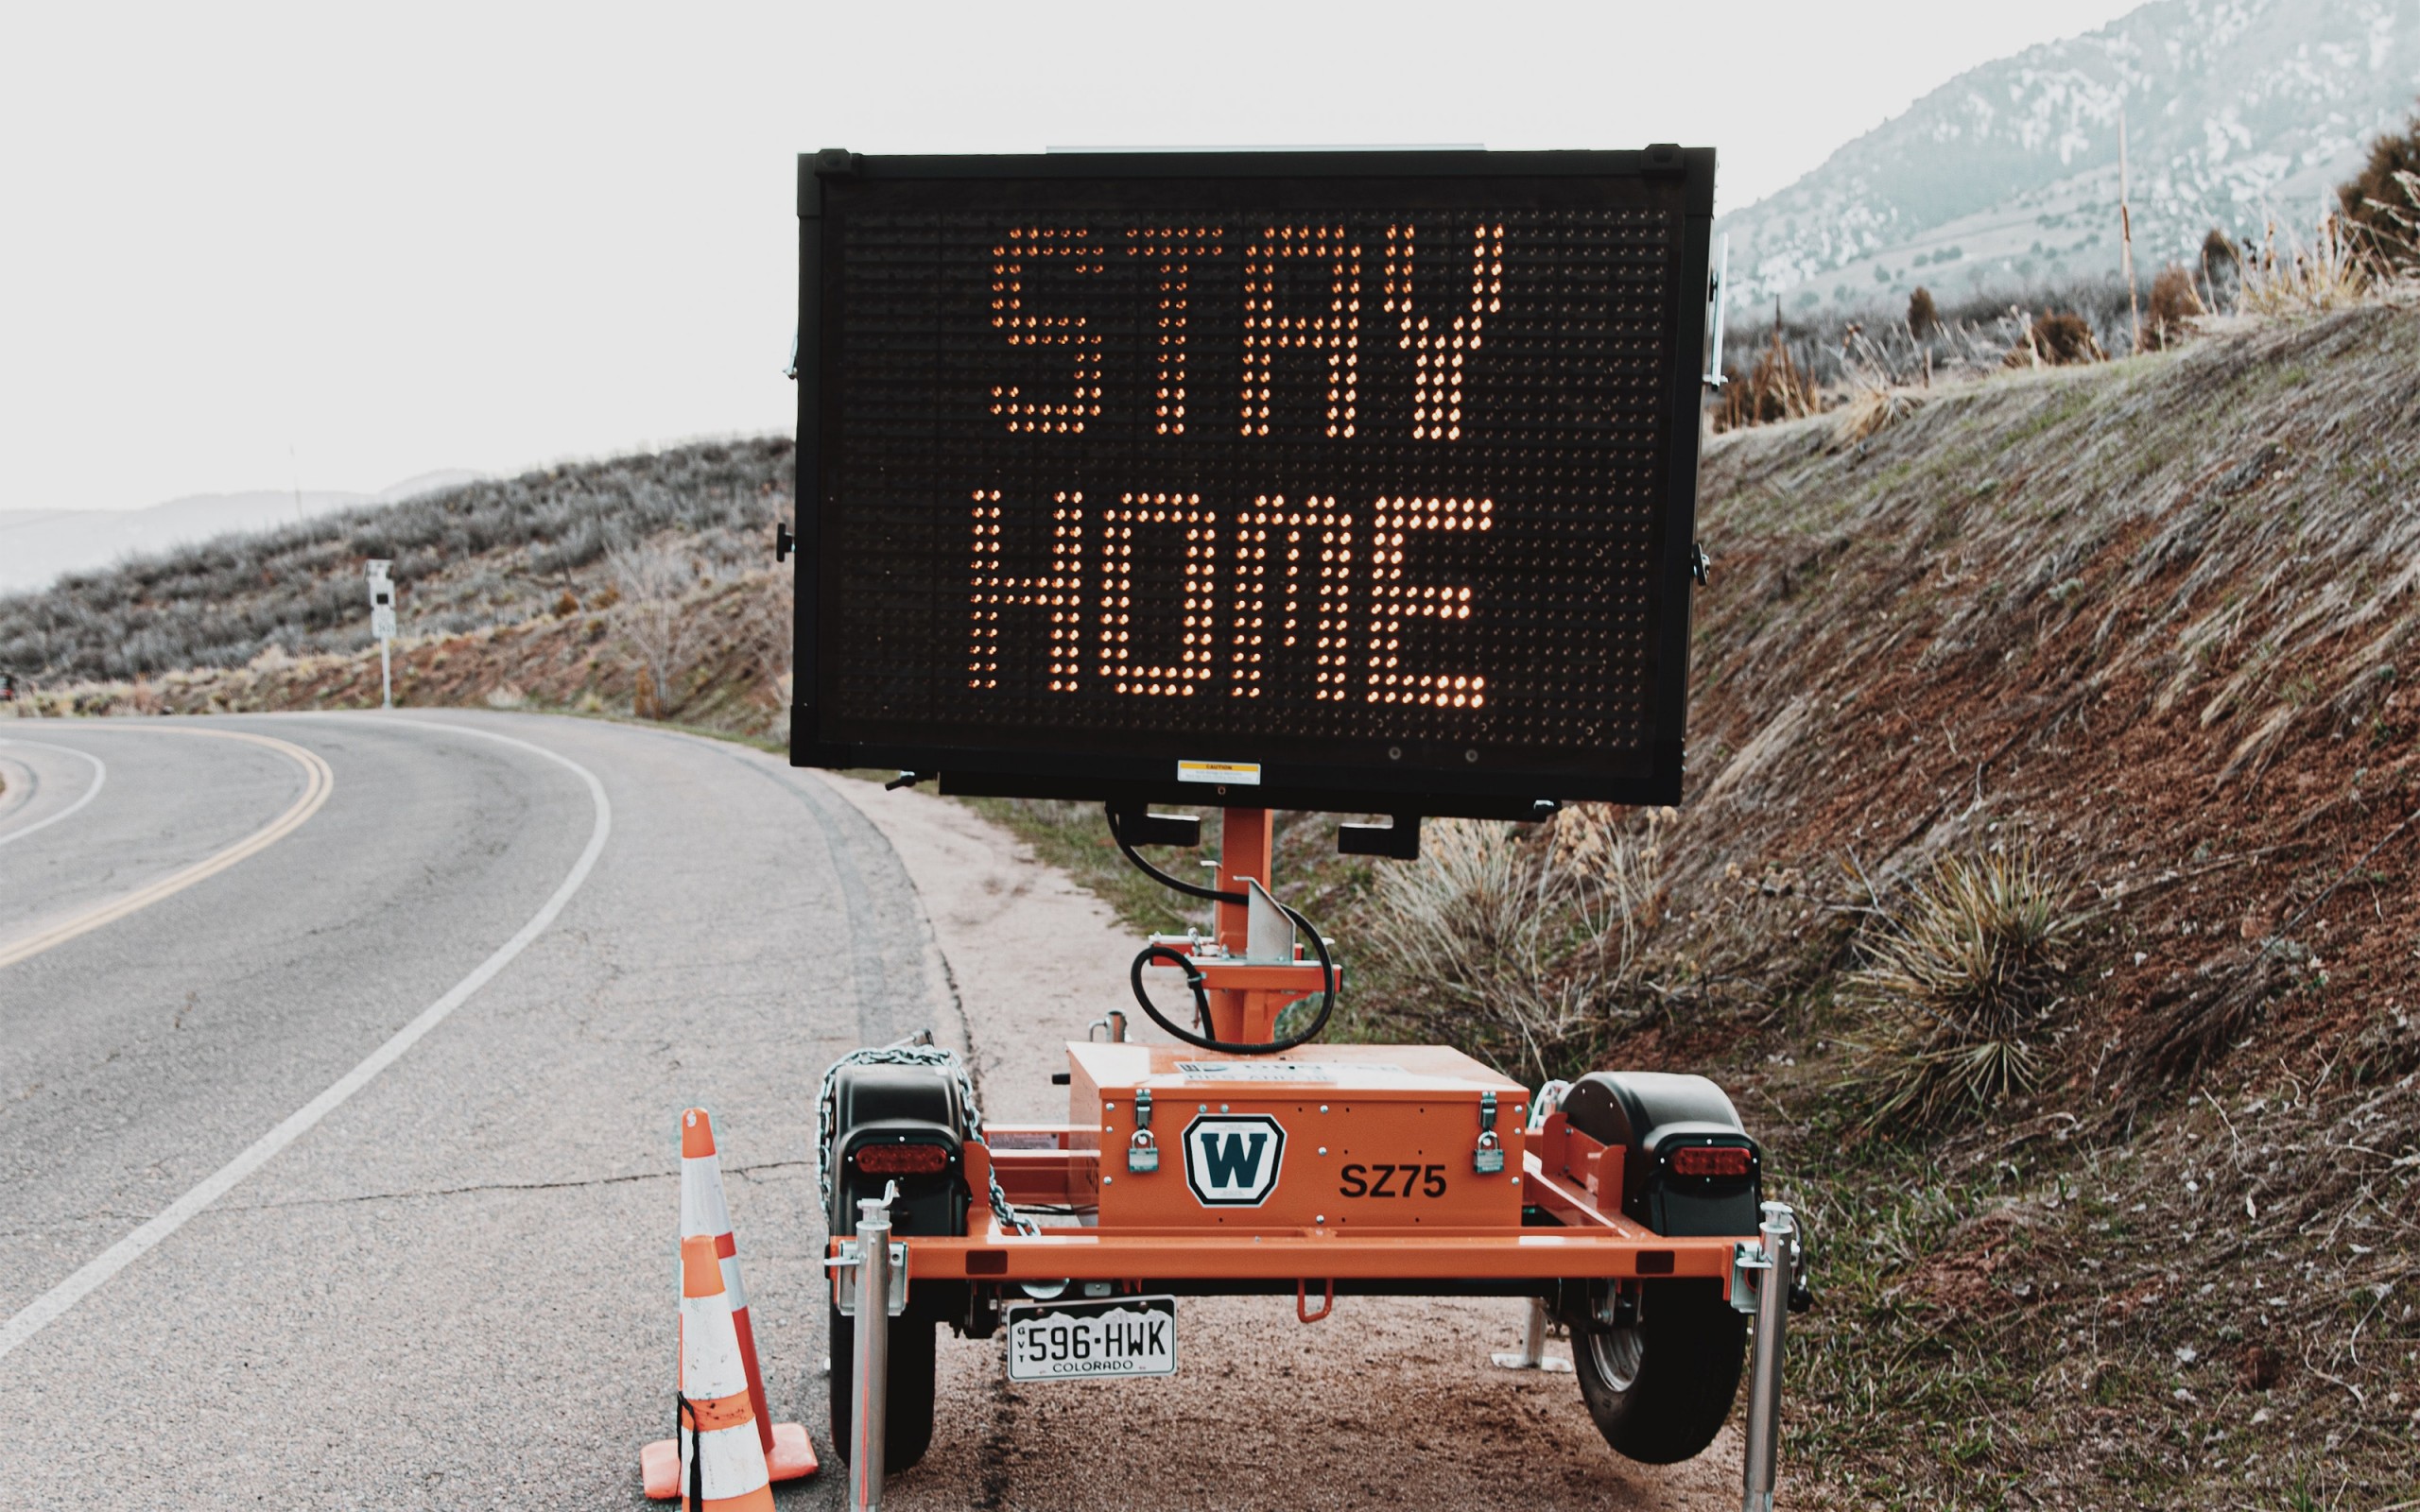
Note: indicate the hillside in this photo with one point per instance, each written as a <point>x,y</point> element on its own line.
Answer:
<point>572,566</point>
<point>2148,628</point>
<point>2007,176</point>
<point>2155,622</point>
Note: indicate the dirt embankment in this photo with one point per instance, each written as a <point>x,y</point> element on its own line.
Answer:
<point>2159,622</point>
<point>2157,619</point>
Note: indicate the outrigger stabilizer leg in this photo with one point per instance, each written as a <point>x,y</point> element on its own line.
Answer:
<point>1532,1353</point>
<point>869,1365</point>
<point>1772,1268</point>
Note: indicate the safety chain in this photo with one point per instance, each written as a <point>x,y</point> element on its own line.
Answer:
<point>918,1051</point>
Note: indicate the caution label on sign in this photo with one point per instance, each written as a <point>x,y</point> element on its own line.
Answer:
<point>1247,773</point>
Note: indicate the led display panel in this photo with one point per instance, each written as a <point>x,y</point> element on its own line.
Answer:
<point>1356,481</point>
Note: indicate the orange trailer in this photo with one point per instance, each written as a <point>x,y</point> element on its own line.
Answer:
<point>1354,482</point>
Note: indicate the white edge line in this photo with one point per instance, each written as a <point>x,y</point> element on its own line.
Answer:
<point>101,775</point>
<point>59,1299</point>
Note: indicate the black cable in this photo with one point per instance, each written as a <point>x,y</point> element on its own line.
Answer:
<point>1193,973</point>
<point>1189,889</point>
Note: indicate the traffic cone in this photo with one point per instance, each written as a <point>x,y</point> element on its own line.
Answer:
<point>718,1466</point>
<point>790,1455</point>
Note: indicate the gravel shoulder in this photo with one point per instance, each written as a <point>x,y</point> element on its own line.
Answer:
<point>1390,1402</point>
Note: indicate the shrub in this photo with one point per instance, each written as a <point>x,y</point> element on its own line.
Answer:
<point>1960,981</point>
<point>2055,340</point>
<point>659,621</point>
<point>2174,302</point>
<point>2222,269</point>
<point>1922,316</point>
<point>2382,203</point>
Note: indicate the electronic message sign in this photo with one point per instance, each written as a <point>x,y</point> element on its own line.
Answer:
<point>1359,481</point>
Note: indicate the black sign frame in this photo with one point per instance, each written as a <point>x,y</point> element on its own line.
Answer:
<point>1359,780</point>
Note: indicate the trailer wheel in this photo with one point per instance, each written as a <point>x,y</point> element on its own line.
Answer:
<point>1660,1388</point>
<point>908,1414</point>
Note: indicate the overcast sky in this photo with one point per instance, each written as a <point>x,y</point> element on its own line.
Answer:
<point>241,245</point>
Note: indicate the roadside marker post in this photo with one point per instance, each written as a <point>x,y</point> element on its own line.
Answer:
<point>382,624</point>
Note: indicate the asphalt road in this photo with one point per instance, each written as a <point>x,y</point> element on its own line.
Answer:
<point>289,1217</point>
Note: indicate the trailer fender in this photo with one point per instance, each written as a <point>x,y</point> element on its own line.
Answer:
<point>1655,1116</point>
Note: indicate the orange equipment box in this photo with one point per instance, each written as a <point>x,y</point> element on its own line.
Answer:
<point>1347,1137</point>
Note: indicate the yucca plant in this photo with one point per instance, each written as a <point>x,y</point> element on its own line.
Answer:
<point>1959,981</point>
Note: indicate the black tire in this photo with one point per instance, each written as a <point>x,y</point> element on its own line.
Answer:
<point>907,1421</point>
<point>1661,1389</point>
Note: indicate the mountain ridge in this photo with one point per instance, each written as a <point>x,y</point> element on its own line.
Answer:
<point>2008,175</point>
<point>37,546</point>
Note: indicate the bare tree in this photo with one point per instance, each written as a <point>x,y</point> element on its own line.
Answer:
<point>656,621</point>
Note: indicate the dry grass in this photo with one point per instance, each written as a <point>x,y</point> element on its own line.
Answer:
<point>2388,227</point>
<point>2058,339</point>
<point>2329,272</point>
<point>1871,409</point>
<point>1777,389</point>
<point>1960,981</point>
<point>1529,941</point>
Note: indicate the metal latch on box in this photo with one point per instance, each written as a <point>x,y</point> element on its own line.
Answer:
<point>1488,1159</point>
<point>844,1266</point>
<point>1142,1150</point>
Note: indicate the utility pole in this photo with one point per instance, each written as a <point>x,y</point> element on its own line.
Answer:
<point>382,624</point>
<point>2126,233</point>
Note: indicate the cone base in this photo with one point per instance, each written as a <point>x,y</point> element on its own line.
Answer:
<point>660,1470</point>
<point>793,1456</point>
<point>792,1459</point>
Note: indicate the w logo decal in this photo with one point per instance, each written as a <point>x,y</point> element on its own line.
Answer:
<point>1231,1161</point>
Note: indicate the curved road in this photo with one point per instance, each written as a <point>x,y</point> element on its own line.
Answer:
<point>343,1175</point>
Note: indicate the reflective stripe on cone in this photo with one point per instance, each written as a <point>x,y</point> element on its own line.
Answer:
<point>719,1428</point>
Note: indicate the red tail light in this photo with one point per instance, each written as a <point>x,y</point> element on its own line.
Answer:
<point>901,1160</point>
<point>1713,1160</point>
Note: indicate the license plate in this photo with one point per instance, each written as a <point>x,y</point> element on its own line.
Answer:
<point>1085,1341</point>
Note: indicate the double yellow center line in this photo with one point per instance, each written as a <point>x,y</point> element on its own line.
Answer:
<point>318,781</point>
